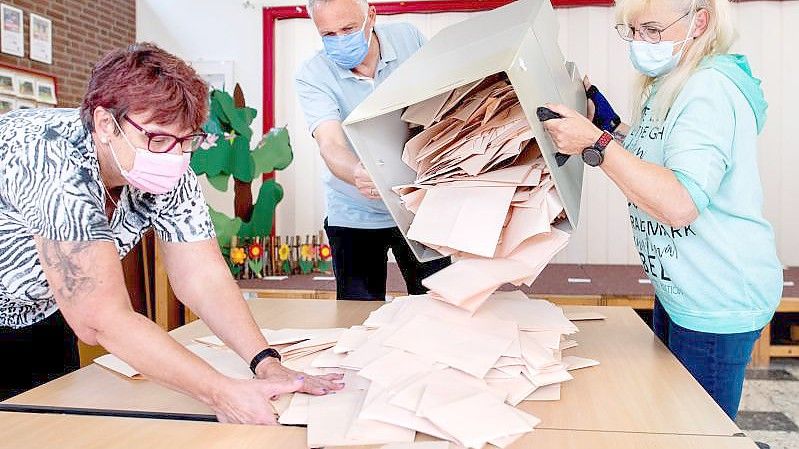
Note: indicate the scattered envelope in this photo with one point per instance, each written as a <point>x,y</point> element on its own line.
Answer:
<point>222,359</point>
<point>333,421</point>
<point>574,362</point>
<point>478,419</point>
<point>547,393</point>
<point>456,344</point>
<point>396,366</point>
<point>352,339</point>
<point>297,413</point>
<point>584,316</point>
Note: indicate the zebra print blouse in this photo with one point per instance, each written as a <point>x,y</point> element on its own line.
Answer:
<point>50,186</point>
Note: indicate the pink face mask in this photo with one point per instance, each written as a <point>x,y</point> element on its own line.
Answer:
<point>151,172</point>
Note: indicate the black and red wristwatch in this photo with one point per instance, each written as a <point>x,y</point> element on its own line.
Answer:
<point>595,154</point>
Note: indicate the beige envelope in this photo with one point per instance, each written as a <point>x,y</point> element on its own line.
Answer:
<point>547,393</point>
<point>333,421</point>
<point>479,419</point>
<point>574,363</point>
<point>472,346</point>
<point>396,366</point>
<point>453,217</point>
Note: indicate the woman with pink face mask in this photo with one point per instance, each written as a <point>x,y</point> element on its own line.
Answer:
<point>78,189</point>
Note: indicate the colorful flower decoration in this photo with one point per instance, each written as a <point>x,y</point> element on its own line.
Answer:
<point>306,252</point>
<point>209,141</point>
<point>325,253</point>
<point>238,256</point>
<point>255,251</point>
<point>283,252</point>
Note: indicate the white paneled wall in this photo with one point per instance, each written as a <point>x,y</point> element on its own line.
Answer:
<point>768,35</point>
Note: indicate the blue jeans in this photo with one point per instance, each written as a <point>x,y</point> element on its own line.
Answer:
<point>717,361</point>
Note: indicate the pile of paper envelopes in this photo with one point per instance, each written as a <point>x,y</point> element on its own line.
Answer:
<point>420,365</point>
<point>455,148</point>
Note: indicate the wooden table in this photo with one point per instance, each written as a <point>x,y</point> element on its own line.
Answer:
<point>640,386</point>
<point>21,430</point>
<point>563,284</point>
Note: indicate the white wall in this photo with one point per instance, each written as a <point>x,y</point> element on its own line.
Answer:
<point>586,37</point>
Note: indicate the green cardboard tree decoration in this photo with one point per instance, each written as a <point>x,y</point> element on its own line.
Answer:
<point>228,153</point>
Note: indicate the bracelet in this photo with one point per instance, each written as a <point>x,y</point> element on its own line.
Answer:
<point>266,353</point>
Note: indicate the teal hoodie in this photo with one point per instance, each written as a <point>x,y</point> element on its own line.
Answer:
<point>721,273</point>
<point>736,68</point>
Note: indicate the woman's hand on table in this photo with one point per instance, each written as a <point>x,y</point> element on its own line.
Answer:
<point>573,133</point>
<point>247,401</point>
<point>273,371</point>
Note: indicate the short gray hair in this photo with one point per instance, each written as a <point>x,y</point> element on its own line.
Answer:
<point>311,3</point>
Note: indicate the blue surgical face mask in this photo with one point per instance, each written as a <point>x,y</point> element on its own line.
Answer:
<point>348,51</point>
<point>655,60</point>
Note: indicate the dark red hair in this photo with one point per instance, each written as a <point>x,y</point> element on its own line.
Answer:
<point>143,78</point>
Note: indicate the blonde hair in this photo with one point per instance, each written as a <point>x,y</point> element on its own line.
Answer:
<point>717,39</point>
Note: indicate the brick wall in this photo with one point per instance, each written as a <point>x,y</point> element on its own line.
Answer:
<point>83,31</point>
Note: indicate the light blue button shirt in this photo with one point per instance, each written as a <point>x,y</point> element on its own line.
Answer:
<point>328,92</point>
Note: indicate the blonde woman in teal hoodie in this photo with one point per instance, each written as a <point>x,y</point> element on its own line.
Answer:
<point>688,167</point>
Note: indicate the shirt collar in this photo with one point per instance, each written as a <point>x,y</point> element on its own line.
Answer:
<point>387,54</point>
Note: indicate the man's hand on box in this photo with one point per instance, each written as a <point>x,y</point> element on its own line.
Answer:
<point>364,183</point>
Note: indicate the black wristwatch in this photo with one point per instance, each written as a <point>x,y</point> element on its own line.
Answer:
<point>265,354</point>
<point>595,154</point>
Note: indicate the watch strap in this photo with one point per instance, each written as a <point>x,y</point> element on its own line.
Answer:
<point>265,354</point>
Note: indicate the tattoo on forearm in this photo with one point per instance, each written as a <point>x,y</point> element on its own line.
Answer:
<point>68,259</point>
<point>618,136</point>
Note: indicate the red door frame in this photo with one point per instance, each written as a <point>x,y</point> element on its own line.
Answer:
<point>272,14</point>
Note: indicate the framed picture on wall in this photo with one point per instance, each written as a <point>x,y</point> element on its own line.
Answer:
<point>26,87</point>
<point>45,91</point>
<point>8,82</point>
<point>218,74</point>
<point>41,39</point>
<point>26,104</point>
<point>7,103</point>
<point>11,33</point>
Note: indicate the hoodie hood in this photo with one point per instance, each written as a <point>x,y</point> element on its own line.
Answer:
<point>737,69</point>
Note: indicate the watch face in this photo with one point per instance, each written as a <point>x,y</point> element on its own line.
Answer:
<point>592,157</point>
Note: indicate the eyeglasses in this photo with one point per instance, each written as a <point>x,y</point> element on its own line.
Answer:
<point>163,143</point>
<point>651,34</point>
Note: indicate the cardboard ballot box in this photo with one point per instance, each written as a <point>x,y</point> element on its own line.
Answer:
<point>519,40</point>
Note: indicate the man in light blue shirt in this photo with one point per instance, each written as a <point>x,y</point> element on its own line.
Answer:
<point>358,56</point>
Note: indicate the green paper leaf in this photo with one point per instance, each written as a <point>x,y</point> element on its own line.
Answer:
<point>219,182</point>
<point>238,118</point>
<point>273,152</point>
<point>243,167</point>
<point>286,267</point>
<point>263,212</point>
<point>325,266</point>
<point>224,226</point>
<point>255,267</point>
<point>306,266</point>
<point>213,161</point>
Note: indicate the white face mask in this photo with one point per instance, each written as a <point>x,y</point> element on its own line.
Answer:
<point>655,60</point>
